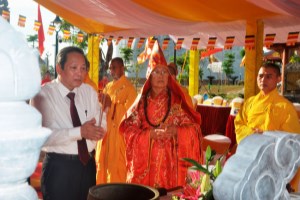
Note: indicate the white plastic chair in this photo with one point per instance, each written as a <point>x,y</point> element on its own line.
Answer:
<point>235,105</point>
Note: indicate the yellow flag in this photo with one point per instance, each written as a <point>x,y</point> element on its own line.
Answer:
<point>93,57</point>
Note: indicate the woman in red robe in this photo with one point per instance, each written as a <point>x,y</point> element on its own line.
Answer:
<point>161,130</point>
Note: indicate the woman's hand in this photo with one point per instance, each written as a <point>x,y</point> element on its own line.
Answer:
<point>167,132</point>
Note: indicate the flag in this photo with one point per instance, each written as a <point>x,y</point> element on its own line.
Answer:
<point>145,55</point>
<point>179,43</point>
<point>249,42</point>
<point>130,40</point>
<point>6,14</point>
<point>41,36</point>
<point>269,39</point>
<point>165,43</point>
<point>67,34</point>
<point>51,29</point>
<point>141,42</point>
<point>100,38</point>
<point>119,39</point>
<point>79,36</point>
<point>292,38</point>
<point>229,42</point>
<point>211,43</point>
<point>22,21</point>
<point>195,43</point>
<point>109,40</point>
<point>37,25</point>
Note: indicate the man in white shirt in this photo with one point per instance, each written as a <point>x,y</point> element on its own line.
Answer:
<point>66,175</point>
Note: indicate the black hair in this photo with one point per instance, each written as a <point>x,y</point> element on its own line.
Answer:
<point>118,60</point>
<point>272,66</point>
<point>61,57</point>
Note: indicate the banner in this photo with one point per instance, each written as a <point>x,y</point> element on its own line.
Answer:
<point>195,43</point>
<point>229,42</point>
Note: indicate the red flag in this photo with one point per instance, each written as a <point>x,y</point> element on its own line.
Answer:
<point>165,43</point>
<point>41,36</point>
<point>141,42</point>
<point>269,39</point>
<point>292,38</point>
<point>195,43</point>
<point>129,43</point>
<point>229,42</point>
<point>119,39</point>
<point>211,43</point>
<point>250,42</point>
<point>179,43</point>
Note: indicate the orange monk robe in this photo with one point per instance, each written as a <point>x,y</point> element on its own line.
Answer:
<point>110,154</point>
<point>157,163</point>
<point>89,81</point>
<point>269,112</point>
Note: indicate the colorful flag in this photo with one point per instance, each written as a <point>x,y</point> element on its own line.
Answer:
<point>6,14</point>
<point>41,36</point>
<point>141,42</point>
<point>119,39</point>
<point>22,21</point>
<point>37,25</point>
<point>179,43</point>
<point>269,39</point>
<point>211,43</point>
<point>249,42</point>
<point>130,40</point>
<point>292,38</point>
<point>109,40</point>
<point>67,34</point>
<point>165,43</point>
<point>101,37</point>
<point>195,43</point>
<point>80,36</point>
<point>145,55</point>
<point>51,29</point>
<point>229,42</point>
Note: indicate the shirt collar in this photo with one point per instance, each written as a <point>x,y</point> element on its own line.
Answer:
<point>63,90</point>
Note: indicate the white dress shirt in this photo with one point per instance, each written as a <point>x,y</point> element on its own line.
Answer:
<point>54,105</point>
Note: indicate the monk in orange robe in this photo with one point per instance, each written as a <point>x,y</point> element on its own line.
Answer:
<point>161,130</point>
<point>119,95</point>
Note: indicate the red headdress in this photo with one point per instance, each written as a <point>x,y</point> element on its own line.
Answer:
<point>157,59</point>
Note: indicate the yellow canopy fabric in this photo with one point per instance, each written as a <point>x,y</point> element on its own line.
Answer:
<point>86,24</point>
<point>203,10</point>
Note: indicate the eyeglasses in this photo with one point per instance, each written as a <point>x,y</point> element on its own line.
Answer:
<point>157,72</point>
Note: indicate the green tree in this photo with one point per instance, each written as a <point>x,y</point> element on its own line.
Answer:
<point>33,39</point>
<point>227,64</point>
<point>183,62</point>
<point>127,54</point>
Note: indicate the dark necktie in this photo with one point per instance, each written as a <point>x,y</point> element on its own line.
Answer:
<point>81,144</point>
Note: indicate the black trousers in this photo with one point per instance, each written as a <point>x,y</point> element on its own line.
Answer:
<point>64,177</point>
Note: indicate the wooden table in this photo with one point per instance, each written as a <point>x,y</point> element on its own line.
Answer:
<point>214,119</point>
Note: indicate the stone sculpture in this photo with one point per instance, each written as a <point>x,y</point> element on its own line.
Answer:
<point>260,169</point>
<point>21,134</point>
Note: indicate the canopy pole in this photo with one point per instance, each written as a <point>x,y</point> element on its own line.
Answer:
<point>194,72</point>
<point>254,58</point>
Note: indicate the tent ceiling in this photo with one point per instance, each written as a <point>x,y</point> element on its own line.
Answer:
<point>188,19</point>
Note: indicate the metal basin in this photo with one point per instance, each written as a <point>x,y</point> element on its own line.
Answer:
<point>120,191</point>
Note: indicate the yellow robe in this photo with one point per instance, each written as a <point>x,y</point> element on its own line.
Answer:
<point>89,81</point>
<point>269,112</point>
<point>110,154</point>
